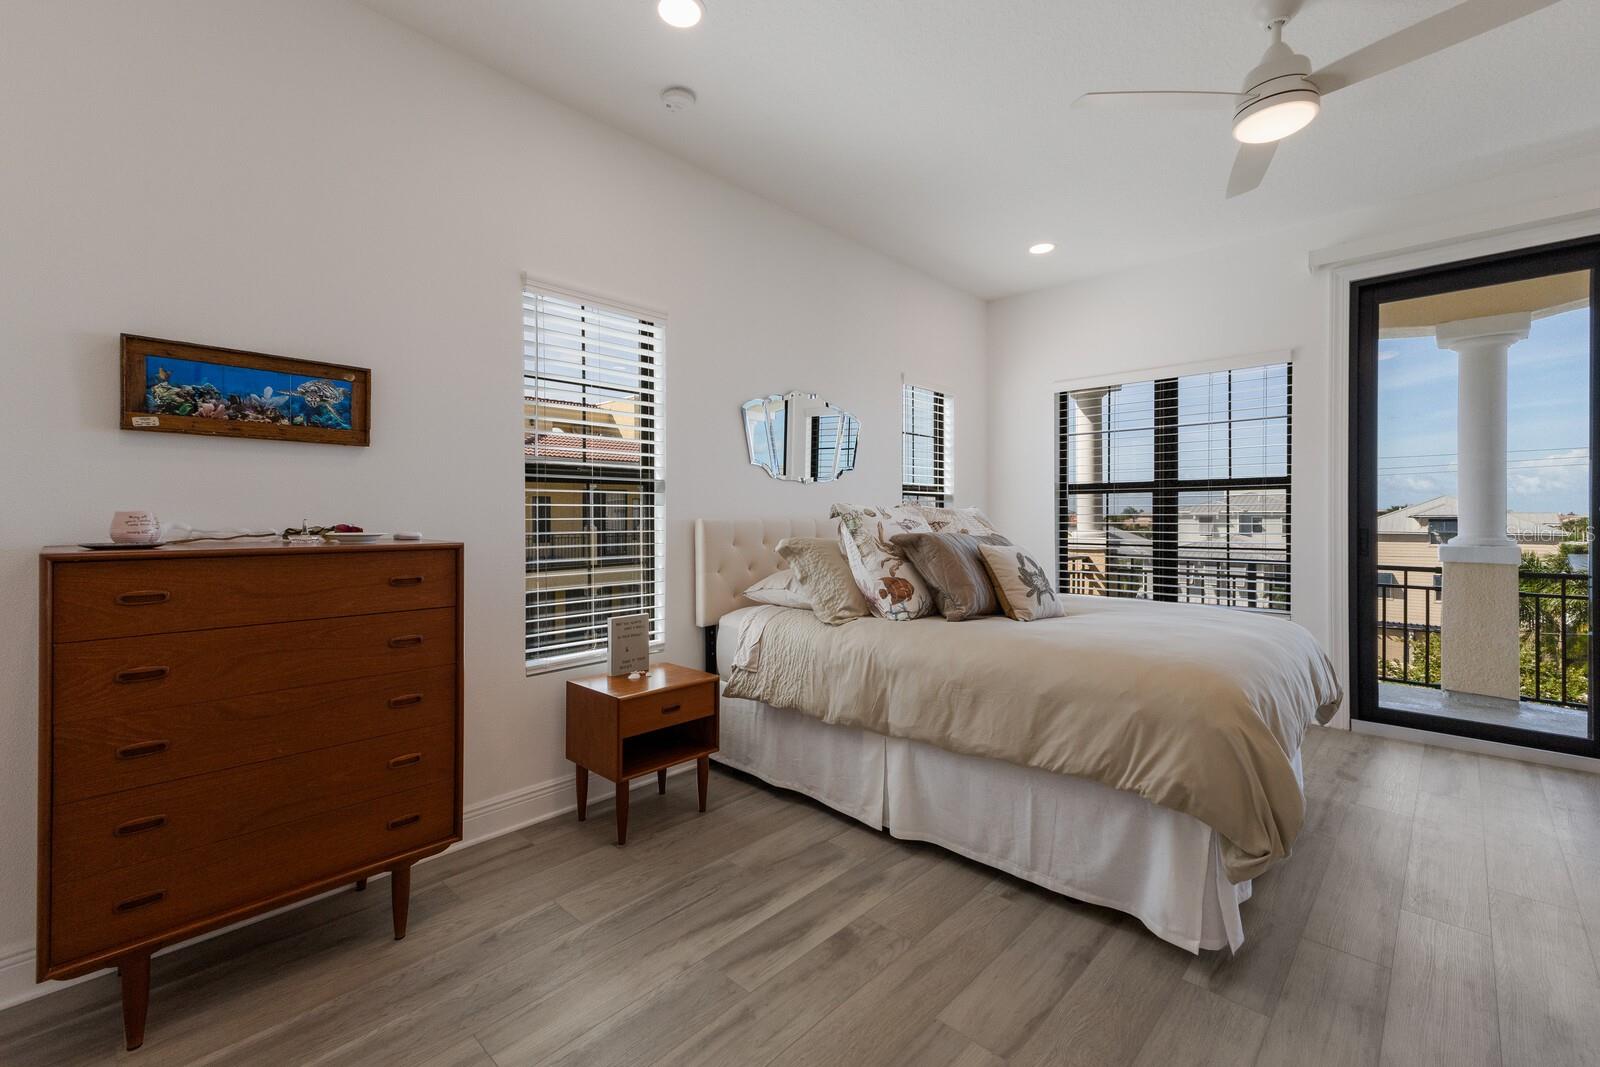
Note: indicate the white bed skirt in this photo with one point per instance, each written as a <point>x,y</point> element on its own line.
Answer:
<point>1070,835</point>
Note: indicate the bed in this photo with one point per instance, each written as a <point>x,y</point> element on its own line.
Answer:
<point>1073,835</point>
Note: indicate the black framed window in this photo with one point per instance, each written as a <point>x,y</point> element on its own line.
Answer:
<point>593,474</point>
<point>1178,489</point>
<point>924,425</point>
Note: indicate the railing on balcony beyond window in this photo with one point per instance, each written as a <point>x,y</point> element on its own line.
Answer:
<point>1257,584</point>
<point>588,548</point>
<point>1552,623</point>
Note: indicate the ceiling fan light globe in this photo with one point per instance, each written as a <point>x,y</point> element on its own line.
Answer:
<point>1276,117</point>
<point>680,14</point>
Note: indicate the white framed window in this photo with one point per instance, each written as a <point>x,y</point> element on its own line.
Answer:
<point>924,437</point>
<point>593,473</point>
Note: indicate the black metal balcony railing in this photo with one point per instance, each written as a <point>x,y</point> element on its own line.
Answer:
<point>588,548</point>
<point>1258,584</point>
<point>1553,630</point>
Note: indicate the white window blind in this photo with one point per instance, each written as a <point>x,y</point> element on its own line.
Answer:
<point>592,405</point>
<point>1178,489</point>
<point>924,425</point>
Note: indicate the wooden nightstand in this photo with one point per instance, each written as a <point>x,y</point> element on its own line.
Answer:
<point>622,729</point>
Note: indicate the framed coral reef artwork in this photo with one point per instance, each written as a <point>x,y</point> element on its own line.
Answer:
<point>178,387</point>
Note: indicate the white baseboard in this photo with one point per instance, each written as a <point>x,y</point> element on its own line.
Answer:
<point>481,821</point>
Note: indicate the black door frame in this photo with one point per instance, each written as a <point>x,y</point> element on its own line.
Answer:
<point>1365,296</point>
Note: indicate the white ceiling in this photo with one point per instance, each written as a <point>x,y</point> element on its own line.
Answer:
<point>939,131</point>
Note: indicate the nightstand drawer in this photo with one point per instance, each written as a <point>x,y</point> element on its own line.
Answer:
<point>652,711</point>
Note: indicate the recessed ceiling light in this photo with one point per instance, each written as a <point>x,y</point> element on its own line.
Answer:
<point>1043,248</point>
<point>681,13</point>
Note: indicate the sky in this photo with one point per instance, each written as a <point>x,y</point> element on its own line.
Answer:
<point>1547,432</point>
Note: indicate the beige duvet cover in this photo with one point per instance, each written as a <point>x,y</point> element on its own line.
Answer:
<point>1196,709</point>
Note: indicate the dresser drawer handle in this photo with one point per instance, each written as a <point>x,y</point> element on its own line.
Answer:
<point>405,579</point>
<point>405,701</point>
<point>139,826</point>
<point>143,748</point>
<point>141,597</point>
<point>134,903</point>
<point>408,641</point>
<point>142,674</point>
<point>404,821</point>
<point>406,761</point>
<point>670,708</point>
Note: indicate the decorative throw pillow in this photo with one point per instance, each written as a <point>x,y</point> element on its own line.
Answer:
<point>882,572</point>
<point>781,588</point>
<point>958,520</point>
<point>825,578</point>
<point>1020,583</point>
<point>950,564</point>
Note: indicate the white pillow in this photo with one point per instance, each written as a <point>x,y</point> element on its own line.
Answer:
<point>780,588</point>
<point>883,573</point>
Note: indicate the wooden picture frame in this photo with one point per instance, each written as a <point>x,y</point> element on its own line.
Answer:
<point>320,403</point>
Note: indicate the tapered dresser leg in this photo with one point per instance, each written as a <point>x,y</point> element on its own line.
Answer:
<point>702,774</point>
<point>583,793</point>
<point>400,898</point>
<point>622,812</point>
<point>135,972</point>
<point>661,780</point>
<point>361,885</point>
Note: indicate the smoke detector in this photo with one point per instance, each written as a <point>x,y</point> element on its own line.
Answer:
<point>677,98</point>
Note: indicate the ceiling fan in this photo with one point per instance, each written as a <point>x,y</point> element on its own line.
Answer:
<point>1283,94</point>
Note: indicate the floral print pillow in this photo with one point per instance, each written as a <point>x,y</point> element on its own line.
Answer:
<point>1020,583</point>
<point>881,570</point>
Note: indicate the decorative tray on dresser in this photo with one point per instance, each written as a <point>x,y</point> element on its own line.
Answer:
<point>226,729</point>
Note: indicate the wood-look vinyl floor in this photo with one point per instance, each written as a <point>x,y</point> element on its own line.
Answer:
<point>1441,908</point>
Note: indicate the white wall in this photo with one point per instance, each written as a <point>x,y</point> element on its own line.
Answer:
<point>1259,297</point>
<point>307,178</point>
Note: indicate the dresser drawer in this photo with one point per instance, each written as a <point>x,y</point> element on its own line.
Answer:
<point>124,750</point>
<point>219,882</point>
<point>133,598</point>
<point>122,829</point>
<point>654,710</point>
<point>129,674</point>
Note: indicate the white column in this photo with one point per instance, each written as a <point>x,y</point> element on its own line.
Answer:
<point>1482,345</point>
<point>1479,640</point>
<point>1089,458</point>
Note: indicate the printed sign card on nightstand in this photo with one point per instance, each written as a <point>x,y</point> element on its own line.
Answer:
<point>628,642</point>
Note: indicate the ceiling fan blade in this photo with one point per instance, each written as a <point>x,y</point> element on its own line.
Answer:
<point>1163,99</point>
<point>1434,34</point>
<point>1250,166</point>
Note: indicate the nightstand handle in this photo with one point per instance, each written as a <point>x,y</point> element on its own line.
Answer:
<point>670,708</point>
<point>403,821</point>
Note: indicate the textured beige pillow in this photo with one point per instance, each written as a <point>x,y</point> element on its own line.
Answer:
<point>958,520</point>
<point>825,578</point>
<point>950,564</point>
<point>1020,583</point>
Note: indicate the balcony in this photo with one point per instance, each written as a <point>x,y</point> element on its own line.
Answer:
<point>587,549</point>
<point>1553,636</point>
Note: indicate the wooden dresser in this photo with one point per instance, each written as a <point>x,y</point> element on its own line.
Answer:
<point>224,730</point>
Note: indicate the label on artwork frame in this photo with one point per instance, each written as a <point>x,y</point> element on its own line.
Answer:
<point>628,644</point>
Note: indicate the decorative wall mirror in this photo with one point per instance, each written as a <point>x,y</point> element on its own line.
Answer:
<point>796,437</point>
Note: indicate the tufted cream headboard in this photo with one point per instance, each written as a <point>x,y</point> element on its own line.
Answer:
<point>730,555</point>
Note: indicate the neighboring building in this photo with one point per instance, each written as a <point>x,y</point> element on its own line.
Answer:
<point>586,506</point>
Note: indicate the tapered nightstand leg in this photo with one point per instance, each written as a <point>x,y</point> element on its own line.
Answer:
<point>583,793</point>
<point>702,774</point>
<point>361,885</point>
<point>622,812</point>
<point>400,898</point>
<point>661,780</point>
<point>135,973</point>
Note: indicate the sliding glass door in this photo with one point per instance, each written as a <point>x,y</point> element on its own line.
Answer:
<point>1473,420</point>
